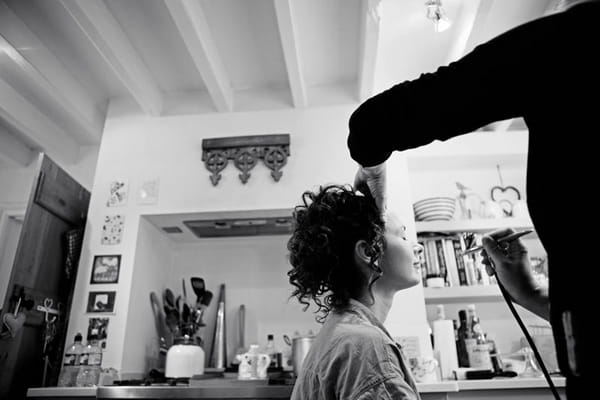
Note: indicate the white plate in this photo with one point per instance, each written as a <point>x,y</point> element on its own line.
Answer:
<point>435,207</point>
<point>435,200</point>
<point>434,215</point>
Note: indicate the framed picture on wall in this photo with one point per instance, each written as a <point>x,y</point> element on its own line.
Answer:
<point>98,327</point>
<point>117,194</point>
<point>106,269</point>
<point>101,302</point>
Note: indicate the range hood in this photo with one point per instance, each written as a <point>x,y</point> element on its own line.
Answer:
<point>190,227</point>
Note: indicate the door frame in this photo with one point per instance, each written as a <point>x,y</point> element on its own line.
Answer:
<point>10,210</point>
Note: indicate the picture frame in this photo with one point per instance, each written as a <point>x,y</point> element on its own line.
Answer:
<point>106,268</point>
<point>98,327</point>
<point>112,229</point>
<point>101,302</point>
<point>118,192</point>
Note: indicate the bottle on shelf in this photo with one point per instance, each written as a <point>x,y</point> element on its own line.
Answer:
<point>479,354</point>
<point>495,357</point>
<point>90,363</point>
<point>470,340</point>
<point>461,344</point>
<point>70,366</point>
<point>272,352</point>
<point>444,344</point>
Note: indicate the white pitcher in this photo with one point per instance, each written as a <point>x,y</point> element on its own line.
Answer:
<point>253,364</point>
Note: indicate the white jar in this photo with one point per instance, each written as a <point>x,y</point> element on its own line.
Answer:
<point>184,359</point>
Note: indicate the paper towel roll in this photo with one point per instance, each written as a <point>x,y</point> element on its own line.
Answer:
<point>445,346</point>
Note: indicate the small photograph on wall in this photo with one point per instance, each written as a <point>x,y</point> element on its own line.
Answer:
<point>117,194</point>
<point>98,327</point>
<point>112,229</point>
<point>106,269</point>
<point>101,302</point>
<point>148,191</point>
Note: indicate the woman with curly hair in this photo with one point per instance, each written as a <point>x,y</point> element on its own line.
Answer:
<point>351,263</point>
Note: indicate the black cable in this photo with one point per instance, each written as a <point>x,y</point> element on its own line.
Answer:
<point>538,357</point>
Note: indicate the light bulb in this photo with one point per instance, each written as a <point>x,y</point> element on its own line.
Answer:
<point>442,24</point>
<point>436,13</point>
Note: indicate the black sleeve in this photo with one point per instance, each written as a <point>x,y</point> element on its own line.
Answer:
<point>491,83</point>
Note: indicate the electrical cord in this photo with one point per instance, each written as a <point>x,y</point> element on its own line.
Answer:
<point>538,357</point>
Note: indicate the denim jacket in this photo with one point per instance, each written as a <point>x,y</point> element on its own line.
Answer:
<point>354,357</point>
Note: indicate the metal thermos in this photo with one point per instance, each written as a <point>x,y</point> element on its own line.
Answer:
<point>219,347</point>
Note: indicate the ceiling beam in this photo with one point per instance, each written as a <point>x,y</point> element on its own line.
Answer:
<point>193,27</point>
<point>369,40</point>
<point>89,123</point>
<point>50,77</point>
<point>291,52</point>
<point>473,16</point>
<point>105,33</point>
<point>13,151</point>
<point>35,126</point>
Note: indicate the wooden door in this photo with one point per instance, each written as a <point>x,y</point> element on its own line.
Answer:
<point>57,208</point>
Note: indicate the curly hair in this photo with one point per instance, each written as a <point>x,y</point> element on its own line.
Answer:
<point>321,250</point>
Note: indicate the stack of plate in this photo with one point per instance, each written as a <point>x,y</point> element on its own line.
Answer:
<point>434,209</point>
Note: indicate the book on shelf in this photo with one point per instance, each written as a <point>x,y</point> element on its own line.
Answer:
<point>451,262</point>
<point>443,258</point>
<point>460,261</point>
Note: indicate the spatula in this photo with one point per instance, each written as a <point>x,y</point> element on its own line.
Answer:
<point>199,288</point>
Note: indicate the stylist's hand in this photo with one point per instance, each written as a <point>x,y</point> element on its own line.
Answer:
<point>372,180</point>
<point>511,261</point>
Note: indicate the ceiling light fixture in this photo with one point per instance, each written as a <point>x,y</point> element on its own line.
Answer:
<point>436,13</point>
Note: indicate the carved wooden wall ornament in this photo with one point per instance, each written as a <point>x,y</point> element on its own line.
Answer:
<point>245,151</point>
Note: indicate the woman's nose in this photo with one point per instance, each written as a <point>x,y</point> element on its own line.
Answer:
<point>418,250</point>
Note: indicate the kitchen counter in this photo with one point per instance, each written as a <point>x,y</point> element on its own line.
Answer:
<point>514,388</point>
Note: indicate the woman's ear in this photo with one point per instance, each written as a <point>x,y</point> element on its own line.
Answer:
<point>362,252</point>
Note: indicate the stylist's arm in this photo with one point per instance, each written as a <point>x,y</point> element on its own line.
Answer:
<point>370,151</point>
<point>373,180</point>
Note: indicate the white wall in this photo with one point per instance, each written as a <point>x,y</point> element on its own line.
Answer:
<point>152,270</point>
<point>135,147</point>
<point>84,169</point>
<point>15,186</point>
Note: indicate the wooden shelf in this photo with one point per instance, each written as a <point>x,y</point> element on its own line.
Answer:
<point>473,225</point>
<point>462,294</point>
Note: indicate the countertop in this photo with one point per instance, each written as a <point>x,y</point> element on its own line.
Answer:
<point>225,388</point>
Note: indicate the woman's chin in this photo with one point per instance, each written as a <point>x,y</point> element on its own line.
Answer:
<point>408,283</point>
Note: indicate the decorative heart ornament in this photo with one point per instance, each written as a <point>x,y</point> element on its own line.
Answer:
<point>506,197</point>
<point>14,324</point>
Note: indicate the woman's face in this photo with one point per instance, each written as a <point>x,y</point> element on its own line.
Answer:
<point>400,259</point>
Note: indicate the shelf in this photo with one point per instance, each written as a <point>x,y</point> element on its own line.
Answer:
<point>462,294</point>
<point>474,225</point>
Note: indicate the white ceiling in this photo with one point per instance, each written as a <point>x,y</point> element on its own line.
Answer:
<point>62,61</point>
